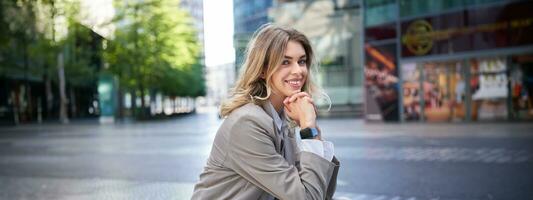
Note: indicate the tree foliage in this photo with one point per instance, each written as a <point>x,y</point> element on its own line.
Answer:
<point>18,37</point>
<point>30,42</point>
<point>155,48</point>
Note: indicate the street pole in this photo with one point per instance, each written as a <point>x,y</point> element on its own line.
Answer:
<point>63,118</point>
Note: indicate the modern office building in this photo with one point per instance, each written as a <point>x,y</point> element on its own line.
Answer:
<point>335,30</point>
<point>448,60</point>
<point>248,17</point>
<point>29,86</point>
<point>28,94</point>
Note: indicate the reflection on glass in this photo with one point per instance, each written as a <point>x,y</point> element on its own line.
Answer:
<point>522,87</point>
<point>489,88</point>
<point>381,83</point>
<point>444,91</point>
<point>411,91</point>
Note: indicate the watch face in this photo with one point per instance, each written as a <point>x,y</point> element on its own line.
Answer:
<point>305,133</point>
<point>308,133</point>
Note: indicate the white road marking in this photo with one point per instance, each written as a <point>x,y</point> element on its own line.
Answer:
<point>437,154</point>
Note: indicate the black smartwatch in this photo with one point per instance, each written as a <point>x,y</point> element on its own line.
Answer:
<point>308,133</point>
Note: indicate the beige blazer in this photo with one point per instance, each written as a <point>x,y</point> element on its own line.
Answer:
<point>246,163</point>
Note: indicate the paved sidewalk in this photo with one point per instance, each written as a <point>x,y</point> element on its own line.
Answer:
<point>343,127</point>
<point>162,159</point>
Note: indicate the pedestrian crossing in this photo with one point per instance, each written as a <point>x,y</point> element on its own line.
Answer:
<point>384,153</point>
<point>436,154</point>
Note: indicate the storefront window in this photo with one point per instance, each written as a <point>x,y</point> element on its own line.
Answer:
<point>495,90</point>
<point>522,87</point>
<point>489,88</point>
<point>444,91</point>
<point>381,83</point>
<point>411,92</point>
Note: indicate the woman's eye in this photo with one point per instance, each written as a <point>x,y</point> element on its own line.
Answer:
<point>285,62</point>
<point>302,62</point>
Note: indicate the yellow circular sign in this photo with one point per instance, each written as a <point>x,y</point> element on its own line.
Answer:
<point>418,37</point>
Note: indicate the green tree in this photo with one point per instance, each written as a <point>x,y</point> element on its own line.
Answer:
<point>19,33</point>
<point>37,42</point>
<point>21,42</point>
<point>155,49</point>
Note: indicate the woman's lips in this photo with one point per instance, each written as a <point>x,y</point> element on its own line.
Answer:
<point>294,84</point>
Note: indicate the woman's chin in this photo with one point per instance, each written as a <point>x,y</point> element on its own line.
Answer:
<point>293,91</point>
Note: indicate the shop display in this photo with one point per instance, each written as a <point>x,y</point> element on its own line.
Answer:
<point>381,83</point>
<point>522,87</point>
<point>411,92</point>
<point>444,91</point>
<point>455,65</point>
<point>489,88</point>
<point>492,80</point>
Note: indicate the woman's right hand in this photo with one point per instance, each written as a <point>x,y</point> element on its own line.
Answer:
<point>300,108</point>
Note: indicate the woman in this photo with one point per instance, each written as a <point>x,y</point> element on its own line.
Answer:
<point>255,154</point>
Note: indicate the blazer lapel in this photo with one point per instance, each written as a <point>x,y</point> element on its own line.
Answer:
<point>276,134</point>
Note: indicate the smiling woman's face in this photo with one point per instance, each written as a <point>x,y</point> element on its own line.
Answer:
<point>292,74</point>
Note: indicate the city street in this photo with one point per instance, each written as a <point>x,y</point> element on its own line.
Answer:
<point>162,159</point>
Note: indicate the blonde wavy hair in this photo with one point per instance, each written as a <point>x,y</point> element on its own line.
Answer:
<point>264,54</point>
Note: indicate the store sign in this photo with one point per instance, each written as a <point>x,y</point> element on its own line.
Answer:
<point>508,25</point>
<point>419,37</point>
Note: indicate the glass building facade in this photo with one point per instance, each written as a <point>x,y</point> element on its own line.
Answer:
<point>248,17</point>
<point>448,60</point>
<point>334,28</point>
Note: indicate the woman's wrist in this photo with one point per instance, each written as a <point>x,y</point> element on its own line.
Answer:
<point>308,124</point>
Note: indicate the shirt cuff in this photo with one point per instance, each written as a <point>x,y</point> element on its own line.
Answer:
<point>329,150</point>
<point>324,149</point>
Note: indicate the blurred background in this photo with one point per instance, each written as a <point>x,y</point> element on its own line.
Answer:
<point>117,99</point>
<point>381,60</point>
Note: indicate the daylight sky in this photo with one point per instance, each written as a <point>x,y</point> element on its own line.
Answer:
<point>218,32</point>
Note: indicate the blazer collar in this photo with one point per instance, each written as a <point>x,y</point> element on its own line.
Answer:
<point>269,109</point>
<point>278,120</point>
<point>266,106</point>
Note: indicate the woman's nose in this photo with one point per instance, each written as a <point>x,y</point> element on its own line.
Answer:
<point>296,68</point>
